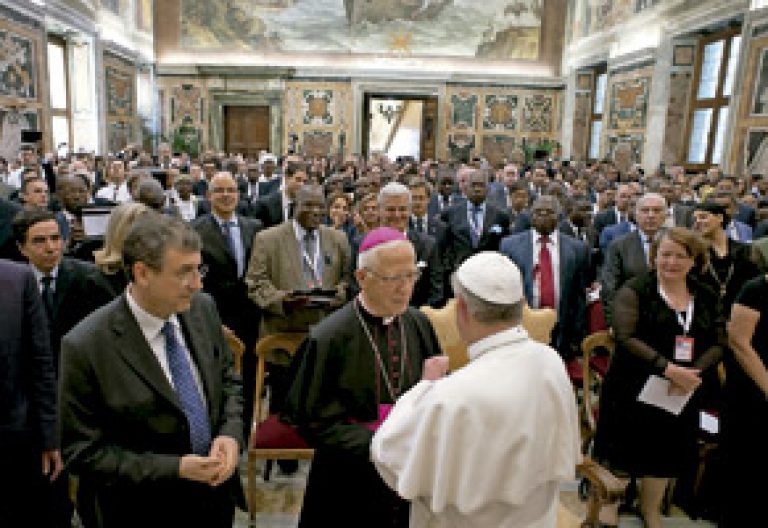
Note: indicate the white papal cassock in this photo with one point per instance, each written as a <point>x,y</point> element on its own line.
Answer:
<point>488,445</point>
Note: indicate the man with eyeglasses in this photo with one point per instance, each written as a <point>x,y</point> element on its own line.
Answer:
<point>227,239</point>
<point>349,371</point>
<point>151,408</point>
<point>395,208</point>
<point>628,255</point>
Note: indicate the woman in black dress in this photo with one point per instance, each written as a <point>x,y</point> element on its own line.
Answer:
<point>745,418</point>
<point>656,315</point>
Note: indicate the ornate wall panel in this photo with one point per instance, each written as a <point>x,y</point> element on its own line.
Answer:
<point>627,112</point>
<point>497,121</point>
<point>677,117</point>
<point>317,115</point>
<point>120,94</point>
<point>23,97</point>
<point>749,146</point>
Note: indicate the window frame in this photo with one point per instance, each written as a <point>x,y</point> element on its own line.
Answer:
<point>715,103</point>
<point>66,112</point>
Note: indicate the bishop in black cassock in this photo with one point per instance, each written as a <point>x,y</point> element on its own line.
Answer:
<point>347,373</point>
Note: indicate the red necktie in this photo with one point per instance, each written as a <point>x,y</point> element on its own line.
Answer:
<point>546,280</point>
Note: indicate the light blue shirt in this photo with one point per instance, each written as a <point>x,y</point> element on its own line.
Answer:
<point>476,221</point>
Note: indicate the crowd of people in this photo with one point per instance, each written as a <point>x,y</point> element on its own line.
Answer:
<point>117,372</point>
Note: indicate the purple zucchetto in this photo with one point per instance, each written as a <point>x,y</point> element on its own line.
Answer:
<point>381,235</point>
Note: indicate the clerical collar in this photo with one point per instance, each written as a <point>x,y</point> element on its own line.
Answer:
<point>499,339</point>
<point>366,311</point>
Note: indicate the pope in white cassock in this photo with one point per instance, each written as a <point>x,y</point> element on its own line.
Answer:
<point>488,445</point>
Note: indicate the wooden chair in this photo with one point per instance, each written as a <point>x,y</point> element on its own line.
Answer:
<point>538,324</point>
<point>271,439</point>
<point>236,346</point>
<point>604,488</point>
<point>595,366</point>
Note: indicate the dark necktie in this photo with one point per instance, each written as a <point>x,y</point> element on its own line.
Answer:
<point>290,211</point>
<point>546,277</point>
<point>189,396</point>
<point>419,224</point>
<point>230,237</point>
<point>47,295</point>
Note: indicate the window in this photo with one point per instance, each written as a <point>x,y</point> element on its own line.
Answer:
<point>596,120</point>
<point>58,76</point>
<point>716,65</point>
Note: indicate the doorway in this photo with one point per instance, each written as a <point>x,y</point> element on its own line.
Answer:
<point>399,126</point>
<point>246,130</point>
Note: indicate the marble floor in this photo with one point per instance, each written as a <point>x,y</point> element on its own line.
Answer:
<point>279,503</point>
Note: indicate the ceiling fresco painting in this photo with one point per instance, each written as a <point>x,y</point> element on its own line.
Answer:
<point>489,29</point>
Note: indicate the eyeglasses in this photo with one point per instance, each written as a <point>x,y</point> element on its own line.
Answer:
<point>411,276</point>
<point>186,276</point>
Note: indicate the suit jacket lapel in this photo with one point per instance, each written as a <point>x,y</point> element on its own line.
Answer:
<point>201,350</point>
<point>135,350</point>
<point>63,282</point>
<point>247,230</point>
<point>526,250</point>
<point>291,258</point>
<point>216,237</point>
<point>326,257</point>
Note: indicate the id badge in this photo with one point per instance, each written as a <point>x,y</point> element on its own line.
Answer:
<point>684,349</point>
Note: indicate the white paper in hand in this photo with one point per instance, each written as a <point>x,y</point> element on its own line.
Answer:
<point>656,392</point>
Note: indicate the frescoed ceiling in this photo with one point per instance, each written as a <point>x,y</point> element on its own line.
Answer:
<point>487,29</point>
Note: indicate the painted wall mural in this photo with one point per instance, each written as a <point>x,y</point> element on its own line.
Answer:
<point>492,29</point>
<point>593,16</point>
<point>119,92</point>
<point>629,102</point>
<point>187,118</point>
<point>317,116</point>
<point>498,122</point>
<point>17,71</point>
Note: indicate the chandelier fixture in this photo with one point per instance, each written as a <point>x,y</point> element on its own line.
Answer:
<point>390,111</point>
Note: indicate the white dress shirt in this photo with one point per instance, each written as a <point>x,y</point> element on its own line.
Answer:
<point>152,327</point>
<point>108,193</point>
<point>554,251</point>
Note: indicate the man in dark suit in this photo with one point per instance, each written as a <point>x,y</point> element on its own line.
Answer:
<point>63,281</point>
<point>278,206</point>
<point>420,220</point>
<point>395,212</point>
<point>628,256</point>
<point>150,405</point>
<point>473,225</point>
<point>742,212</point>
<point>227,239</point>
<point>29,440</point>
<point>578,224</point>
<point>616,214</point>
<point>554,269</point>
<point>8,247</point>
<point>446,195</point>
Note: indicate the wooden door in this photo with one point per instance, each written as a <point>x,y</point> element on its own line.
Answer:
<point>246,130</point>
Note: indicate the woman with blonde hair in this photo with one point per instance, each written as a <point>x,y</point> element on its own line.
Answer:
<point>109,259</point>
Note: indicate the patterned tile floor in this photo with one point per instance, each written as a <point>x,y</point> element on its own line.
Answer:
<point>279,503</point>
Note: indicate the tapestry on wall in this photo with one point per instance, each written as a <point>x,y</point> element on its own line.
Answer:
<point>629,101</point>
<point>498,149</point>
<point>537,113</point>
<point>119,92</point>
<point>582,112</point>
<point>317,107</point>
<point>463,110</point>
<point>317,143</point>
<point>500,112</point>
<point>12,122</point>
<point>625,150</point>
<point>119,134</point>
<point>461,146</point>
<point>677,111</point>
<point>186,105</point>
<point>506,29</point>
<point>17,67</point>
